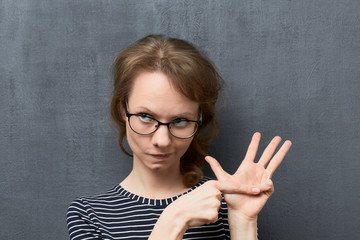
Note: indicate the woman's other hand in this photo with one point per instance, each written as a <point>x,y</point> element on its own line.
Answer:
<point>249,188</point>
<point>198,207</point>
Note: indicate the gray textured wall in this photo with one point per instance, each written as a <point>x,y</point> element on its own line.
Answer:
<point>292,68</point>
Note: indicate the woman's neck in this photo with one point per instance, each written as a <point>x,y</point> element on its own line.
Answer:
<point>154,184</point>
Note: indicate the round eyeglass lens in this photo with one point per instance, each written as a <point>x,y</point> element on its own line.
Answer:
<point>146,125</point>
<point>183,129</point>
<point>142,125</point>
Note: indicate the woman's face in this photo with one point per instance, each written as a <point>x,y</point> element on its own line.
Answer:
<point>153,94</point>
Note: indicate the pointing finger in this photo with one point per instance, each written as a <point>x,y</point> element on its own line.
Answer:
<point>242,189</point>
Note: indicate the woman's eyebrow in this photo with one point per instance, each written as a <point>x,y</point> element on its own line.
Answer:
<point>177,115</point>
<point>144,109</point>
<point>185,115</point>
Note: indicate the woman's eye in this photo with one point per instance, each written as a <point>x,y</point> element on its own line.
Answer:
<point>145,117</point>
<point>180,122</point>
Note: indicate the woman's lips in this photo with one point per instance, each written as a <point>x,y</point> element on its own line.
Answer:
<point>161,156</point>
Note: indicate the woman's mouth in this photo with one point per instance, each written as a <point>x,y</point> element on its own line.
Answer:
<point>161,156</point>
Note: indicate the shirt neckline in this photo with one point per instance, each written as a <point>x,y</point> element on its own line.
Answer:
<point>153,202</point>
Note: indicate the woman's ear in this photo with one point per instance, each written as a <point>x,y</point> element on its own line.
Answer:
<point>122,109</point>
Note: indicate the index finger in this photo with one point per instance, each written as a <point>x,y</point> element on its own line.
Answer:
<point>279,156</point>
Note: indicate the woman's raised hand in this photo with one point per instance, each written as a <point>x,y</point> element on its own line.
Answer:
<point>249,188</point>
<point>245,192</point>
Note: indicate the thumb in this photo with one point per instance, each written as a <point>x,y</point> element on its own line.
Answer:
<point>216,167</point>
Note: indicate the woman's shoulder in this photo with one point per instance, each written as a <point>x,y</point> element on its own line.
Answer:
<point>107,196</point>
<point>203,180</point>
<point>206,178</point>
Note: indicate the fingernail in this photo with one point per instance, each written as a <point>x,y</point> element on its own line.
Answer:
<point>255,190</point>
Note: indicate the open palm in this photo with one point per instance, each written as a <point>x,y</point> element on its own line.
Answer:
<point>249,188</point>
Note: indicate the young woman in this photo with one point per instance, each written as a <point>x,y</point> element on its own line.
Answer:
<point>164,104</point>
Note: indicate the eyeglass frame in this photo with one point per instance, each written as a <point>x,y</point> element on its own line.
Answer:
<point>128,115</point>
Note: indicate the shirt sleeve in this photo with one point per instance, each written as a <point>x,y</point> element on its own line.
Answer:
<point>223,214</point>
<point>79,223</point>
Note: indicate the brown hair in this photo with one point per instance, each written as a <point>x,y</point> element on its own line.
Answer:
<point>191,73</point>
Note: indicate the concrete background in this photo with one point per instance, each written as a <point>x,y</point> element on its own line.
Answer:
<point>292,68</point>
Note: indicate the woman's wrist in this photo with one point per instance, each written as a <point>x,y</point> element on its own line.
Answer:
<point>241,226</point>
<point>170,225</point>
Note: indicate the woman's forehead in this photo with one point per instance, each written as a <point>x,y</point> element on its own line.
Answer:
<point>154,91</point>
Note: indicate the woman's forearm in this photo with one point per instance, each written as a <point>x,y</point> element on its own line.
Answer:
<point>242,228</point>
<point>169,226</point>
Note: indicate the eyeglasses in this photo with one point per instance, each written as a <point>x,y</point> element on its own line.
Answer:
<point>144,124</point>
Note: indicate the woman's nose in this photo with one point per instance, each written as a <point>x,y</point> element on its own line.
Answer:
<point>162,137</point>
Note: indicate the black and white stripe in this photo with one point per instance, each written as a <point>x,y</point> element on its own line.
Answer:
<point>119,214</point>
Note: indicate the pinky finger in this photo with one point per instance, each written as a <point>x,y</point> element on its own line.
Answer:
<point>267,187</point>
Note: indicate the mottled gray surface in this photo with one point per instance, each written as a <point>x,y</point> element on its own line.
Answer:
<point>292,68</point>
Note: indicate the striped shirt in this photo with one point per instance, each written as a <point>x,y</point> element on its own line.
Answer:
<point>119,214</point>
